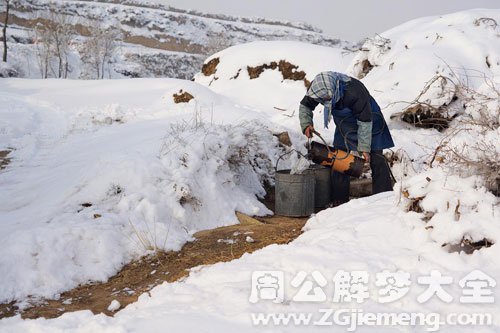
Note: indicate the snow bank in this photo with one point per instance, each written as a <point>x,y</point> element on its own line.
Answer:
<point>282,86</point>
<point>103,172</point>
<point>449,65</point>
<point>454,210</point>
<point>398,63</point>
<point>344,238</point>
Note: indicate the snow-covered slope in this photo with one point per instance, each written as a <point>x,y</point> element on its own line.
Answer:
<point>102,134</point>
<point>271,76</point>
<point>275,73</point>
<point>464,46</point>
<point>158,41</point>
<point>98,164</point>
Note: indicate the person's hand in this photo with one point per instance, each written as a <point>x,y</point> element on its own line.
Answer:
<point>366,156</point>
<point>309,131</point>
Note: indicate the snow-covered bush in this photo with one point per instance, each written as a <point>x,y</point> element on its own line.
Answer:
<point>470,146</point>
<point>455,210</point>
<point>222,157</point>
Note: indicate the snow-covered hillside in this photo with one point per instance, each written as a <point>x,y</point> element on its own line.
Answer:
<point>273,80</point>
<point>158,41</point>
<point>464,46</point>
<point>98,166</point>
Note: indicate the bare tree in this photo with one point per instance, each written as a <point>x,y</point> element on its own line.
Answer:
<point>53,38</point>
<point>4,30</point>
<point>62,34</point>
<point>43,49</point>
<point>99,48</point>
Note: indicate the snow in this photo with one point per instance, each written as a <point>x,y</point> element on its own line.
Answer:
<point>344,238</point>
<point>114,305</point>
<point>460,208</point>
<point>146,172</point>
<point>146,163</point>
<point>186,37</point>
<point>450,45</point>
<point>270,91</point>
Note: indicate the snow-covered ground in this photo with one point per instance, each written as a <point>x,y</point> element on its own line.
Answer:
<point>144,163</point>
<point>369,235</point>
<point>151,167</point>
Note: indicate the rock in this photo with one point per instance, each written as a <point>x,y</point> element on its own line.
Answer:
<point>284,139</point>
<point>115,305</point>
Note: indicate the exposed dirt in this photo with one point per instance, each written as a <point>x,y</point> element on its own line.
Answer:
<point>182,97</point>
<point>288,71</point>
<point>210,67</point>
<point>425,116</point>
<point>210,247</point>
<point>366,67</point>
<point>468,246</point>
<point>254,72</point>
<point>4,159</point>
<point>159,41</point>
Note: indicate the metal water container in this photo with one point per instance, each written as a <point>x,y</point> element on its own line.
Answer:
<point>294,193</point>
<point>323,185</point>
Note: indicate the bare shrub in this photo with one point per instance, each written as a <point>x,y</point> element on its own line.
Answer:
<point>53,37</point>
<point>99,48</point>
<point>486,21</point>
<point>433,107</point>
<point>470,147</point>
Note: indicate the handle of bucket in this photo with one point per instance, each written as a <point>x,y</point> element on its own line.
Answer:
<point>321,138</point>
<point>328,147</point>
<point>288,153</point>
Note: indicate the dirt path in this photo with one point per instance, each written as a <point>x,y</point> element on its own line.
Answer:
<point>210,247</point>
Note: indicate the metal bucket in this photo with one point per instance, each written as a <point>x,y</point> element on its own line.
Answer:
<point>294,193</point>
<point>323,185</point>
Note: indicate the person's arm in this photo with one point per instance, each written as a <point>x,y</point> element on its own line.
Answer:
<point>307,105</point>
<point>362,111</point>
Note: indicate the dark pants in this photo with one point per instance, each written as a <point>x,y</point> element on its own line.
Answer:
<point>381,179</point>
